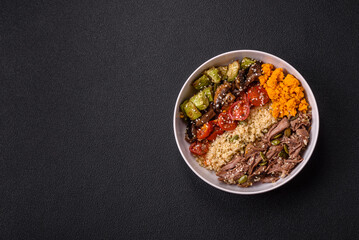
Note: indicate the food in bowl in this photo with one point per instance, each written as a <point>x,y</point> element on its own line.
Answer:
<point>248,121</point>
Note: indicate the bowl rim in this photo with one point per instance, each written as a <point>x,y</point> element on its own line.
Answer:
<point>287,178</point>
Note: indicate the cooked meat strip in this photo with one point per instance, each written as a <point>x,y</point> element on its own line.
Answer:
<point>269,179</point>
<point>287,168</point>
<point>296,142</point>
<point>303,119</point>
<point>257,159</point>
<point>276,128</point>
<point>273,151</point>
<point>206,117</point>
<point>220,94</point>
<point>303,134</point>
<point>253,148</point>
<point>275,168</point>
<point>259,171</point>
<point>235,160</point>
<point>298,159</point>
<point>234,174</point>
<point>295,152</point>
<point>289,165</point>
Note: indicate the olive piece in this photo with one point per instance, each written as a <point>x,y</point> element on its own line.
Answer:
<point>295,117</point>
<point>287,132</point>
<point>243,179</point>
<point>263,156</point>
<point>275,142</point>
<point>286,148</point>
<point>283,154</point>
<point>235,137</point>
<point>277,136</point>
<point>262,163</point>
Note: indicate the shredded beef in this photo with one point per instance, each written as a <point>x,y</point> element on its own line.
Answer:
<point>276,129</point>
<point>265,162</point>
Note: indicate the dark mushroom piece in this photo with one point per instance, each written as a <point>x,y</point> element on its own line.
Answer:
<point>220,94</point>
<point>253,73</point>
<point>206,117</point>
<point>228,99</point>
<point>191,132</point>
<point>240,81</point>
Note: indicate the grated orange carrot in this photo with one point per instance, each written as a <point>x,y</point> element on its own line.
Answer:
<point>286,92</point>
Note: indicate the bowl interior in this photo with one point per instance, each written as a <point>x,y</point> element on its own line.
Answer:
<point>187,91</point>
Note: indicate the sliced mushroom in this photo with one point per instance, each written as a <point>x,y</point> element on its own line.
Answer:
<point>206,117</point>
<point>239,82</point>
<point>228,99</point>
<point>253,73</point>
<point>191,132</point>
<point>220,94</point>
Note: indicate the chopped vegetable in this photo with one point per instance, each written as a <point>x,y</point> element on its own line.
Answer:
<point>278,136</point>
<point>205,130</point>
<point>232,72</point>
<point>263,156</point>
<point>209,94</point>
<point>235,137</point>
<point>191,111</point>
<point>242,122</point>
<point>283,154</point>
<point>201,82</point>
<point>295,117</point>
<point>247,62</point>
<point>182,108</point>
<point>213,74</point>
<point>225,122</point>
<point>199,148</point>
<point>287,132</point>
<point>243,179</point>
<point>200,100</point>
<point>223,70</point>
<point>285,146</point>
<point>275,142</point>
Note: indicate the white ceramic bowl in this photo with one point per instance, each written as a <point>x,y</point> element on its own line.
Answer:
<point>187,91</point>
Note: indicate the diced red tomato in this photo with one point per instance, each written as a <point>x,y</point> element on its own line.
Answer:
<point>225,122</point>
<point>239,110</point>
<point>205,130</point>
<point>199,148</point>
<point>217,131</point>
<point>257,96</point>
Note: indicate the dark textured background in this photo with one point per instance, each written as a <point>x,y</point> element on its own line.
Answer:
<point>87,92</point>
